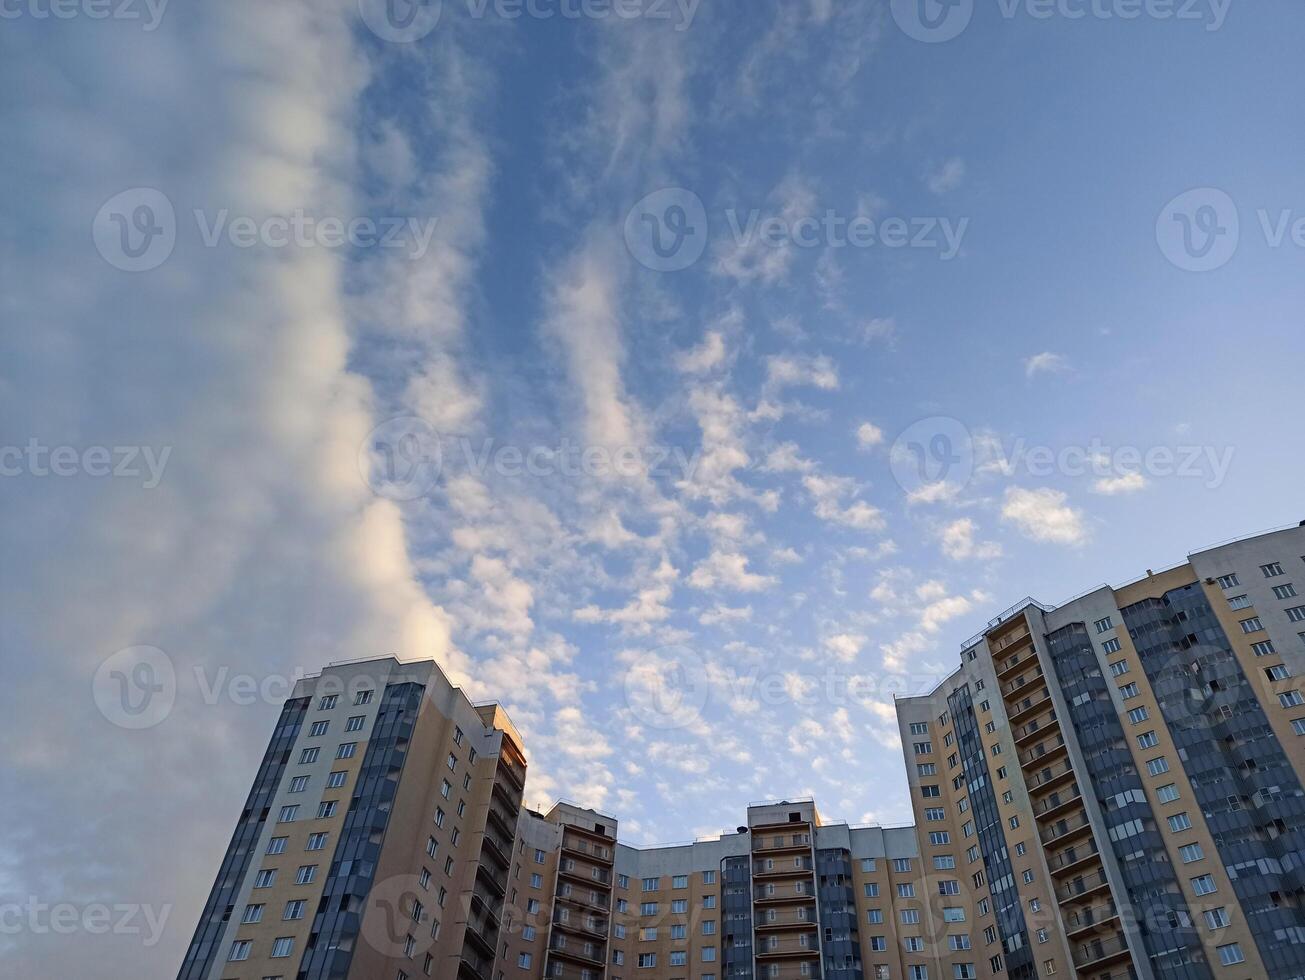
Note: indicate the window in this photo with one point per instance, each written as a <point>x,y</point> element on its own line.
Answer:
<point>930,792</point>
<point>253,913</point>
<point>318,729</point>
<point>919,728</point>
<point>363,697</point>
<point>1240,602</point>
<point>1230,954</point>
<point>1296,614</point>
<point>288,814</point>
<point>452,762</point>
<point>927,769</point>
<point>1105,625</point>
<point>1179,822</point>
<point>1287,591</point>
<point>1272,570</point>
<point>1167,794</point>
<point>1112,645</point>
<point>294,909</point>
<point>277,845</point>
<point>958,942</point>
<point>432,846</point>
<point>679,906</point>
<point>680,881</point>
<point>708,878</point>
<point>266,878</point>
<point>906,890</point>
<point>1128,691</point>
<point>1298,726</point>
<point>1252,625</point>
<point>355,723</point>
<point>326,809</point>
<point>874,916</point>
<point>308,756</point>
<point>298,784</point>
<point>346,750</point>
<point>1148,740</point>
<point>523,960</point>
<point>1157,767</point>
<point>239,950</point>
<point>938,837</point>
<point>679,957</point>
<point>1119,667</point>
<point>709,927</point>
<point>1138,715</point>
<point>648,908</point>
<point>282,947</point>
<point>953,914</point>
<point>336,780</point>
<point>1204,885</point>
<point>935,813</point>
<point>536,881</point>
<point>1291,699</point>
<point>316,842</point>
<point>1228,581</point>
<point>949,886</point>
<point>650,884</point>
<point>944,862</point>
<point>306,874</point>
<point>1190,853</point>
<point>871,889</point>
<point>910,917</point>
<point>922,748</point>
<point>1278,673</point>
<point>913,944</point>
<point>901,865</point>
<point>1217,918</point>
<point>328,702</point>
<point>446,788</point>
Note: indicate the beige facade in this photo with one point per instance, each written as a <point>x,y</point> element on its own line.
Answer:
<point>1107,789</point>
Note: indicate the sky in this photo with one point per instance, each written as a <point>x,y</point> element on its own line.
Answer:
<point>693,378</point>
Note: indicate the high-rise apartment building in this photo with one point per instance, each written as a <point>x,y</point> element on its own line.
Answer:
<point>1107,789</point>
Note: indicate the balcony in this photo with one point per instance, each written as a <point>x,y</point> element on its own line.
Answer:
<point>776,948</point>
<point>498,849</point>
<point>801,918</point>
<point>483,933</point>
<point>561,971</point>
<point>495,878</point>
<point>475,965</point>
<point>582,925</point>
<point>1025,707</point>
<point>1044,726</point>
<point>1081,886</point>
<point>595,953</point>
<point>1090,918</point>
<point>514,770</point>
<point>1054,802</point>
<point>595,852</point>
<point>511,799</point>
<point>781,842</point>
<point>1066,828</point>
<point>1043,750</point>
<point>492,904</point>
<point>504,820</point>
<point>1098,951</point>
<point>782,893</point>
<point>587,873</point>
<point>584,898</point>
<point>1068,859</point>
<point>1023,681</point>
<point>794,972</point>
<point>803,867</point>
<point>1050,775</point>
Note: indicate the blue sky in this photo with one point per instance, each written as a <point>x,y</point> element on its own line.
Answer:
<point>727,625</point>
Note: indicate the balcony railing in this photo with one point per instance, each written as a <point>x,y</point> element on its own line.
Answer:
<point>1035,726</point>
<point>1087,918</point>
<point>1099,949</point>
<point>1050,774</point>
<point>788,947</point>
<point>1056,800</point>
<point>1073,856</point>
<point>783,919</point>
<point>592,952</point>
<point>1081,886</point>
<point>1042,750</point>
<point>780,893</point>
<point>781,842</point>
<point>1023,707</point>
<point>1063,828</point>
<point>581,923</point>
<point>1023,681</point>
<point>585,872</point>
<point>570,842</point>
<point>803,866</point>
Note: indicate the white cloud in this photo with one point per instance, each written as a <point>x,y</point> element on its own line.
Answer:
<point>869,435</point>
<point>959,543</point>
<point>879,330</point>
<point>711,353</point>
<point>728,571</point>
<point>829,492</point>
<point>795,370</point>
<point>948,177</point>
<point>1044,515</point>
<point>1045,363</point>
<point>845,646</point>
<point>1110,486</point>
